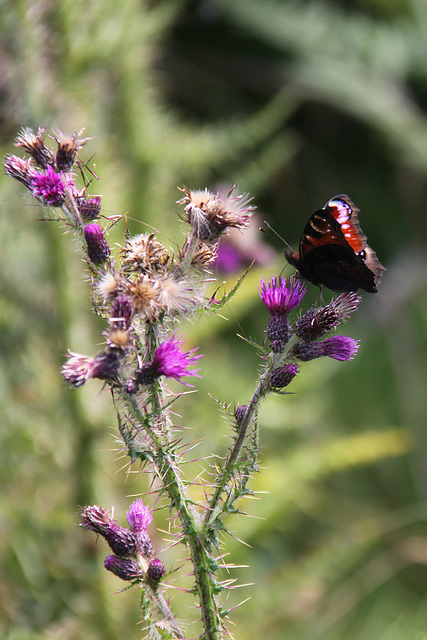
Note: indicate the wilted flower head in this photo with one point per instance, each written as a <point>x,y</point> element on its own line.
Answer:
<point>49,187</point>
<point>318,321</point>
<point>120,540</point>
<point>97,247</point>
<point>78,368</point>
<point>169,360</point>
<point>336,347</point>
<point>211,214</point>
<point>21,169</point>
<point>33,143</point>
<point>67,149</point>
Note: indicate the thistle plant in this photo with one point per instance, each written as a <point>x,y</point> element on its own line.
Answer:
<point>142,290</point>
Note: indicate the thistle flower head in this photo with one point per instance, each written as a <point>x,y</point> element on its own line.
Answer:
<point>169,360</point>
<point>97,247</point>
<point>33,143</point>
<point>78,368</point>
<point>139,516</point>
<point>318,321</point>
<point>89,207</point>
<point>67,149</point>
<point>283,376</point>
<point>155,572</point>
<point>124,568</point>
<point>49,187</point>
<point>211,214</point>
<point>144,253</point>
<point>336,347</point>
<point>278,297</point>
<point>120,540</point>
<point>21,169</point>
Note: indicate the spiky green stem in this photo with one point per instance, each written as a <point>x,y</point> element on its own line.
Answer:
<point>199,547</point>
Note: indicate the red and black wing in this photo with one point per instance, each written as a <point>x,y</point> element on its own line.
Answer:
<point>334,252</point>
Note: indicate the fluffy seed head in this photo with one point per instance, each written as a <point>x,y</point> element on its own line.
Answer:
<point>144,253</point>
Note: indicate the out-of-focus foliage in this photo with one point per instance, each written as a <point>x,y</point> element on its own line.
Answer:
<point>296,101</point>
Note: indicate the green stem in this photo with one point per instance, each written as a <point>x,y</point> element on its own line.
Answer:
<point>199,547</point>
<point>250,418</point>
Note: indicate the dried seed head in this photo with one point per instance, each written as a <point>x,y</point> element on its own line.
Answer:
<point>211,214</point>
<point>178,296</point>
<point>203,255</point>
<point>117,338</point>
<point>35,146</point>
<point>110,285</point>
<point>145,254</point>
<point>145,296</point>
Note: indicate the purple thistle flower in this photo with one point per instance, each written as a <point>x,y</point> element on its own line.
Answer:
<point>337,347</point>
<point>283,376</point>
<point>280,298</point>
<point>124,568</point>
<point>49,187</point>
<point>169,360</point>
<point>97,246</point>
<point>139,516</point>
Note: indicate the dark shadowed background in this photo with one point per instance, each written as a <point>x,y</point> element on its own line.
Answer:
<point>296,102</point>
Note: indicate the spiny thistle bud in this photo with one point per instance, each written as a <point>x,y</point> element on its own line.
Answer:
<point>121,312</point>
<point>67,149</point>
<point>124,568</point>
<point>97,247</point>
<point>337,347</point>
<point>155,572</point>
<point>49,188</point>
<point>89,207</point>
<point>240,413</point>
<point>283,376</point>
<point>35,146</point>
<point>120,540</point>
<point>316,322</point>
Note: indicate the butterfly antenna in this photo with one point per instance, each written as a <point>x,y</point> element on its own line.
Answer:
<point>276,234</point>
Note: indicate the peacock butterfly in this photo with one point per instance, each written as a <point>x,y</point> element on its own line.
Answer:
<point>333,250</point>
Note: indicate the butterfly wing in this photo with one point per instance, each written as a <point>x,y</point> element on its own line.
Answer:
<point>334,252</point>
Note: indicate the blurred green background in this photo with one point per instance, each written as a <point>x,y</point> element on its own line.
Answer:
<point>296,102</point>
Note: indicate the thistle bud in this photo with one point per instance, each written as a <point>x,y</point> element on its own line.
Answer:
<point>283,376</point>
<point>97,246</point>
<point>155,572</point>
<point>124,568</point>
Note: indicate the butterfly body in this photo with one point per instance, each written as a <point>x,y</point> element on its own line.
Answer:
<point>334,252</point>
